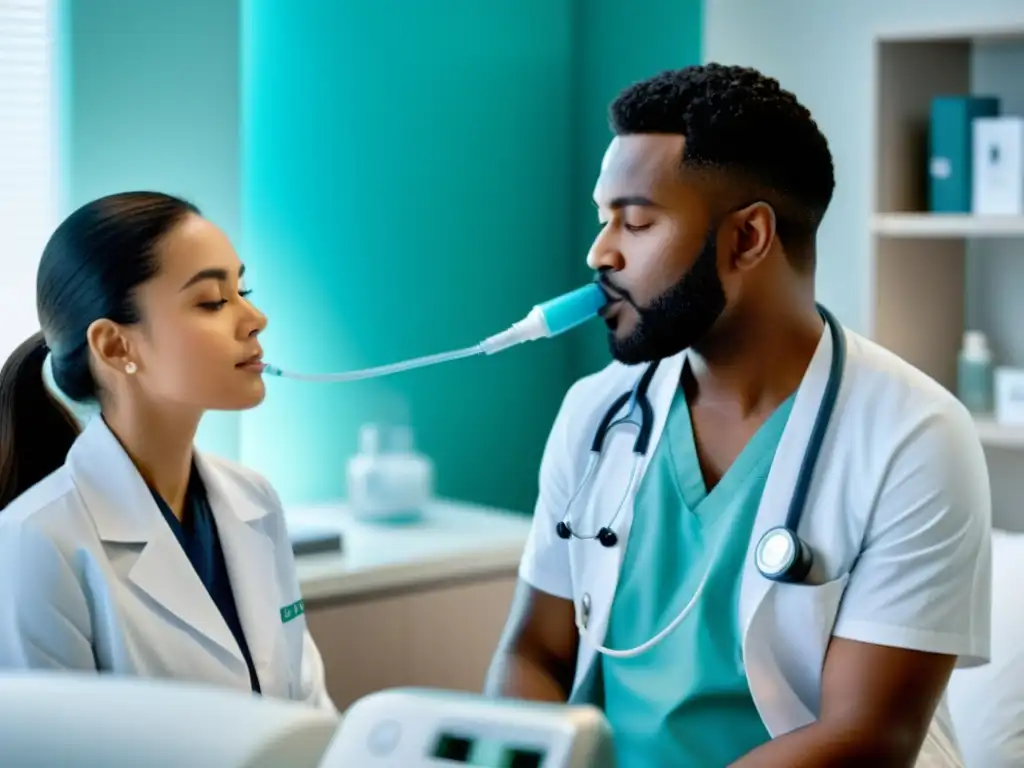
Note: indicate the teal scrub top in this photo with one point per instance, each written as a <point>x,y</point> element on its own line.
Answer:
<point>686,701</point>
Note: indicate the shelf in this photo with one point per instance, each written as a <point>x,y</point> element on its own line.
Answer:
<point>945,225</point>
<point>944,33</point>
<point>995,435</point>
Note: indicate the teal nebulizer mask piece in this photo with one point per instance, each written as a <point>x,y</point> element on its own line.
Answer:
<point>553,317</point>
<point>544,321</point>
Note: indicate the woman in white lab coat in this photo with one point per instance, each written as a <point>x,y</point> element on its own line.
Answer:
<point>122,549</point>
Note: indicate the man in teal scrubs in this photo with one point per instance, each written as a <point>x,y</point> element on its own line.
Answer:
<point>685,701</point>
<point>709,198</point>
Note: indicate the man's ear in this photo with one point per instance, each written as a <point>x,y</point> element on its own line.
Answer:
<point>110,345</point>
<point>755,234</point>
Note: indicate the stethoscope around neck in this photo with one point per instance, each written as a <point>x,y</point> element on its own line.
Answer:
<point>780,555</point>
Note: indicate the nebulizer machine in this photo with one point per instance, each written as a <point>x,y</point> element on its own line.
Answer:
<point>125,725</point>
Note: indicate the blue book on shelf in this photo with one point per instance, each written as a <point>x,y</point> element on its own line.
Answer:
<point>950,150</point>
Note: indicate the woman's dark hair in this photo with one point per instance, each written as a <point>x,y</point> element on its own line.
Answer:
<point>89,271</point>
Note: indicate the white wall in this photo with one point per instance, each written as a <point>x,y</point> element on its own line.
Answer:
<point>150,92</point>
<point>28,159</point>
<point>822,51</point>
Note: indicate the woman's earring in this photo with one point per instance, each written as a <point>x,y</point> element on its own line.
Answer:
<point>131,368</point>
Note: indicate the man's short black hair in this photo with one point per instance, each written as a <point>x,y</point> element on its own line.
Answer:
<point>741,123</point>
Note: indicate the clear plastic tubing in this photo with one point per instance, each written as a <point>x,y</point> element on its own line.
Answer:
<point>544,321</point>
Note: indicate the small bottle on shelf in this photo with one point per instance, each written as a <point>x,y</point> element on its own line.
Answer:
<point>974,373</point>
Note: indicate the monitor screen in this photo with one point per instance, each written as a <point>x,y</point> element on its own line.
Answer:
<point>481,753</point>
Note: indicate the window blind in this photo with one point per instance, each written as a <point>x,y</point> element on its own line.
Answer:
<point>28,158</point>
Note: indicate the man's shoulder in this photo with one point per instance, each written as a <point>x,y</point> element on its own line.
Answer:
<point>885,392</point>
<point>892,389</point>
<point>607,383</point>
<point>901,423</point>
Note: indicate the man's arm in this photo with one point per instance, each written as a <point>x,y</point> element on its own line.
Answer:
<point>536,657</point>
<point>876,705</point>
<point>917,603</point>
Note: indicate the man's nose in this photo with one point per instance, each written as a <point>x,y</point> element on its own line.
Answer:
<point>604,254</point>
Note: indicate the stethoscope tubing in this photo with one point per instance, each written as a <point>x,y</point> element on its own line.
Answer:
<point>638,401</point>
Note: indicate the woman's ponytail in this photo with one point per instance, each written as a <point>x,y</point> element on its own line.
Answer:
<point>35,432</point>
<point>90,269</point>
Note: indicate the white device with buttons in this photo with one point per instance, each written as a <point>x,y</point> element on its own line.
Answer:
<point>420,728</point>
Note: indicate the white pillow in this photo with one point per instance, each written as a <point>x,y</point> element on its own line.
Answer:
<point>987,702</point>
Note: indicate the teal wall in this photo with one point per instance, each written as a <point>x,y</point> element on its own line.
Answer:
<point>618,44</point>
<point>404,192</point>
<point>401,176</point>
<point>412,187</point>
<point>150,100</point>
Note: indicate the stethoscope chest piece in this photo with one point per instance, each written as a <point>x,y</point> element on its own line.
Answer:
<point>782,556</point>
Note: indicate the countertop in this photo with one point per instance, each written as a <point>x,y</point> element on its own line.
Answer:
<point>454,540</point>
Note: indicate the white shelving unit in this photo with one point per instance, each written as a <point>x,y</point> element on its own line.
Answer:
<point>919,259</point>
<point>946,225</point>
<point>996,435</point>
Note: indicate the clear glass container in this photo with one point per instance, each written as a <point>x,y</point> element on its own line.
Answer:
<point>387,479</point>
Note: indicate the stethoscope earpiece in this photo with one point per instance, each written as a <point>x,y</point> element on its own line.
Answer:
<point>563,530</point>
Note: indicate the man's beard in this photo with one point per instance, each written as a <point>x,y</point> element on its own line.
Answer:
<point>677,319</point>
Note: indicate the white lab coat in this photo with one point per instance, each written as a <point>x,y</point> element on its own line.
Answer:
<point>898,517</point>
<point>93,578</point>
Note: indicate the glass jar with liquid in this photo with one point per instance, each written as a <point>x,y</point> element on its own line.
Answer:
<point>388,480</point>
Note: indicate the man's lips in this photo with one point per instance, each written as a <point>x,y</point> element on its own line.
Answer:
<point>611,308</point>
<point>615,299</point>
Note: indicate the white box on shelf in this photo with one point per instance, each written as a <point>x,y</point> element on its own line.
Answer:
<point>1009,395</point>
<point>997,187</point>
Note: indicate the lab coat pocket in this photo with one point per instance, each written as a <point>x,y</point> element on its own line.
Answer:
<point>805,616</point>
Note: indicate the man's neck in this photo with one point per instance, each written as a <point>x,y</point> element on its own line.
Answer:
<point>160,446</point>
<point>752,366</point>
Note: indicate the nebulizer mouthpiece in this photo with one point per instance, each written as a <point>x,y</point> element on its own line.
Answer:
<point>550,319</point>
<point>544,321</point>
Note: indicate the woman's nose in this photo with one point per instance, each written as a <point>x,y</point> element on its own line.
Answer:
<point>255,323</point>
